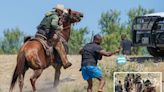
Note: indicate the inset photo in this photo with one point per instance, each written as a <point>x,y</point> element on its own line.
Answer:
<point>137,82</point>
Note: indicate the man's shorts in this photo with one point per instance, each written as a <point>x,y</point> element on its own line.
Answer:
<point>89,72</point>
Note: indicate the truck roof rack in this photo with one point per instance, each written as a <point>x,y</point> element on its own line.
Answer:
<point>160,14</point>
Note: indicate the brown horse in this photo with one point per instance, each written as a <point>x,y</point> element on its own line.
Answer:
<point>65,34</point>
<point>32,55</point>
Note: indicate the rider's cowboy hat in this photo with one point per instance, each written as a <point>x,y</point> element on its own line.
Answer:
<point>59,6</point>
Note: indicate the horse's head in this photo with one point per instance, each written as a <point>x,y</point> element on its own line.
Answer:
<point>69,18</point>
<point>72,17</point>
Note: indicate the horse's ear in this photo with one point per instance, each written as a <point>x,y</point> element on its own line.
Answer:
<point>69,11</point>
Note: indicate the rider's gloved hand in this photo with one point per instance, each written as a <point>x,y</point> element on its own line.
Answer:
<point>65,11</point>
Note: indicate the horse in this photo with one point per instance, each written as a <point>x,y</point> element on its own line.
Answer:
<point>65,34</point>
<point>32,55</point>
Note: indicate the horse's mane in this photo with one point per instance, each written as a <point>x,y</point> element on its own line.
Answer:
<point>26,38</point>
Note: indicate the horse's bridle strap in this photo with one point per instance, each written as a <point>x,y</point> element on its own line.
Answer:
<point>67,27</point>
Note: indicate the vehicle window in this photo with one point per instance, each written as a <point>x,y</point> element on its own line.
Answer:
<point>160,25</point>
<point>143,23</point>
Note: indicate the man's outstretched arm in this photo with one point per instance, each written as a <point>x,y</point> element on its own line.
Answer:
<point>105,53</point>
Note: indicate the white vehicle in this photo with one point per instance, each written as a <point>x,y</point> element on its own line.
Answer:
<point>148,31</point>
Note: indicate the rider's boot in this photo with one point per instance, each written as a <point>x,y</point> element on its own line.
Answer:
<point>61,51</point>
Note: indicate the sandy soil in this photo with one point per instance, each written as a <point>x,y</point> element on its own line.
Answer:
<point>70,76</point>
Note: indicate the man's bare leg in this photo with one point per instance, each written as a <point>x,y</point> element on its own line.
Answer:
<point>101,84</point>
<point>90,84</point>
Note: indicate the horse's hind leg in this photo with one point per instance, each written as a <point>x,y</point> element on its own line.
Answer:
<point>35,76</point>
<point>57,75</point>
<point>21,80</point>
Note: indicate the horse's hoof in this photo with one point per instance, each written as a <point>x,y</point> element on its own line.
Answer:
<point>55,86</point>
<point>67,65</point>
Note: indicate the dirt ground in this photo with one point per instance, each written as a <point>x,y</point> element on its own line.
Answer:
<point>70,78</point>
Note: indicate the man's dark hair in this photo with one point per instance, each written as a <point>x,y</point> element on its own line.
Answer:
<point>123,36</point>
<point>97,36</point>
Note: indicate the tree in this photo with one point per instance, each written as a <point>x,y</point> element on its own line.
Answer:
<point>139,11</point>
<point>110,28</point>
<point>11,41</point>
<point>77,40</point>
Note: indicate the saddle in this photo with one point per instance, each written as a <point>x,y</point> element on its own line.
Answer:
<point>47,46</point>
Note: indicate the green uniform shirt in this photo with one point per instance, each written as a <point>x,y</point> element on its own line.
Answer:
<point>50,21</point>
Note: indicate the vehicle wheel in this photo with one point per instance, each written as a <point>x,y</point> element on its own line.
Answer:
<point>155,52</point>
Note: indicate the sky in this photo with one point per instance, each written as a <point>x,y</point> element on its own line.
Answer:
<point>27,14</point>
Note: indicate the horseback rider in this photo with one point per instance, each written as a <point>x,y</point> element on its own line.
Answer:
<point>50,27</point>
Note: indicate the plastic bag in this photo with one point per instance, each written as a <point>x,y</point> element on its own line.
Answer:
<point>121,59</point>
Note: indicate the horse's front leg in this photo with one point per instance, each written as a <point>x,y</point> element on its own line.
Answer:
<point>57,75</point>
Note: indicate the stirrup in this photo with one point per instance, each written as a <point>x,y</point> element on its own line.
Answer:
<point>47,52</point>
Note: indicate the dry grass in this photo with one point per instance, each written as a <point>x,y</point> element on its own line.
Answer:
<point>71,79</point>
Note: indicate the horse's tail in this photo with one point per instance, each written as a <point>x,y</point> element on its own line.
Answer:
<point>19,69</point>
